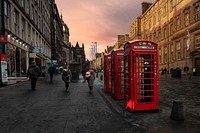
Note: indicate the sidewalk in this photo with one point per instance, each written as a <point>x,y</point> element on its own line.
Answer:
<point>170,89</point>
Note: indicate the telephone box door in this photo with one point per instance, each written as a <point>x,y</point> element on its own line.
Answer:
<point>141,75</point>
<point>145,80</point>
<point>107,73</point>
<point>117,67</point>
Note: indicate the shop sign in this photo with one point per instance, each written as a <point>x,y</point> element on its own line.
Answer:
<point>3,38</point>
<point>32,55</point>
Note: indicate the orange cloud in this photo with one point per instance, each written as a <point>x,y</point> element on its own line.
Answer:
<point>98,20</point>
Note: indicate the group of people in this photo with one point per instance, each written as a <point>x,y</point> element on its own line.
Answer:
<point>34,72</point>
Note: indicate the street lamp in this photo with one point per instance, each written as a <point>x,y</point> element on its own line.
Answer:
<point>186,49</point>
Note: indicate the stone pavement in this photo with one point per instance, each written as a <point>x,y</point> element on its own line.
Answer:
<point>50,109</point>
<point>170,89</point>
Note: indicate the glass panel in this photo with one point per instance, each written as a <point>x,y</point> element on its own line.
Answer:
<point>145,77</point>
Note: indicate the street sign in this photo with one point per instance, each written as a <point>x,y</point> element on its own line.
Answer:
<point>3,38</point>
<point>4,74</point>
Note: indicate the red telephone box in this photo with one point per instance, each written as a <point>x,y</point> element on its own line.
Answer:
<point>107,73</point>
<point>117,73</point>
<point>141,75</point>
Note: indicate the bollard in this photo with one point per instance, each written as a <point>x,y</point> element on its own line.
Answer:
<point>177,112</point>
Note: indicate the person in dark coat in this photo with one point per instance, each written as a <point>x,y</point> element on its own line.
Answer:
<point>66,76</point>
<point>51,72</point>
<point>33,73</point>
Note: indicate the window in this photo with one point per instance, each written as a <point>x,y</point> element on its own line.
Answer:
<point>178,24</point>
<point>159,35</point>
<point>16,23</point>
<point>154,20</point>
<point>23,28</point>
<point>165,32</point>
<point>171,5</point>
<point>29,33</point>
<point>32,13</point>
<point>36,18</point>
<point>187,19</point>
<point>197,40</point>
<point>165,11</point>
<point>171,28</point>
<point>159,17</point>
<point>23,3</point>
<point>172,52</point>
<point>150,23</point>
<point>178,51</point>
<point>10,52</point>
<point>28,6</point>
<point>7,14</point>
<point>197,13</point>
<point>23,63</point>
<point>5,8</point>
<point>160,56</point>
<point>165,55</point>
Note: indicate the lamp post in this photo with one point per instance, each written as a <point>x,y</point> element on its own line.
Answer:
<point>187,48</point>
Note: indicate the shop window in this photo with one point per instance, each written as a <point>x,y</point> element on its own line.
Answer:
<point>197,40</point>
<point>11,60</point>
<point>23,63</point>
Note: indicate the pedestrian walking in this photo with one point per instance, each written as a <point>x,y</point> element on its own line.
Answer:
<point>33,74</point>
<point>51,72</point>
<point>90,77</point>
<point>66,76</point>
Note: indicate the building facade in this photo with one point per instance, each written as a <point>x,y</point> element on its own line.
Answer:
<point>174,26</point>
<point>27,27</point>
<point>66,44</point>
<point>56,35</point>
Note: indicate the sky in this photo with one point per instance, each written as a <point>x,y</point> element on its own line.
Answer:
<point>98,21</point>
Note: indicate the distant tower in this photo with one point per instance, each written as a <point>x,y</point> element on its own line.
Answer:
<point>93,50</point>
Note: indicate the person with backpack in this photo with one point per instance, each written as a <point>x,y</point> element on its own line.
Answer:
<point>51,72</point>
<point>33,74</point>
<point>90,77</point>
<point>66,76</point>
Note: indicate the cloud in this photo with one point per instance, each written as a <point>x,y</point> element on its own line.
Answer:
<point>98,20</point>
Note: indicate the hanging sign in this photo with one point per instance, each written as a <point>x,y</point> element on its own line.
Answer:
<point>3,38</point>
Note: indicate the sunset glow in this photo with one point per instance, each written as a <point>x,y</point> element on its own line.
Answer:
<point>98,20</point>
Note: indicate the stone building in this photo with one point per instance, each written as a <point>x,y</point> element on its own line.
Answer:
<point>26,24</point>
<point>56,35</point>
<point>78,55</point>
<point>174,25</point>
<point>66,44</point>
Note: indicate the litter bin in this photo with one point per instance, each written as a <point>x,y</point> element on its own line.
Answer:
<point>176,73</point>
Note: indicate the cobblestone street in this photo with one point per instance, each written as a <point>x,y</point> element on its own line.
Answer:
<point>50,109</point>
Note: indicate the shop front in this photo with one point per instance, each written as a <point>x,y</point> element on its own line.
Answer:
<point>17,62</point>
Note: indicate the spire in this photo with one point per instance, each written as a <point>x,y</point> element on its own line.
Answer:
<point>77,45</point>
